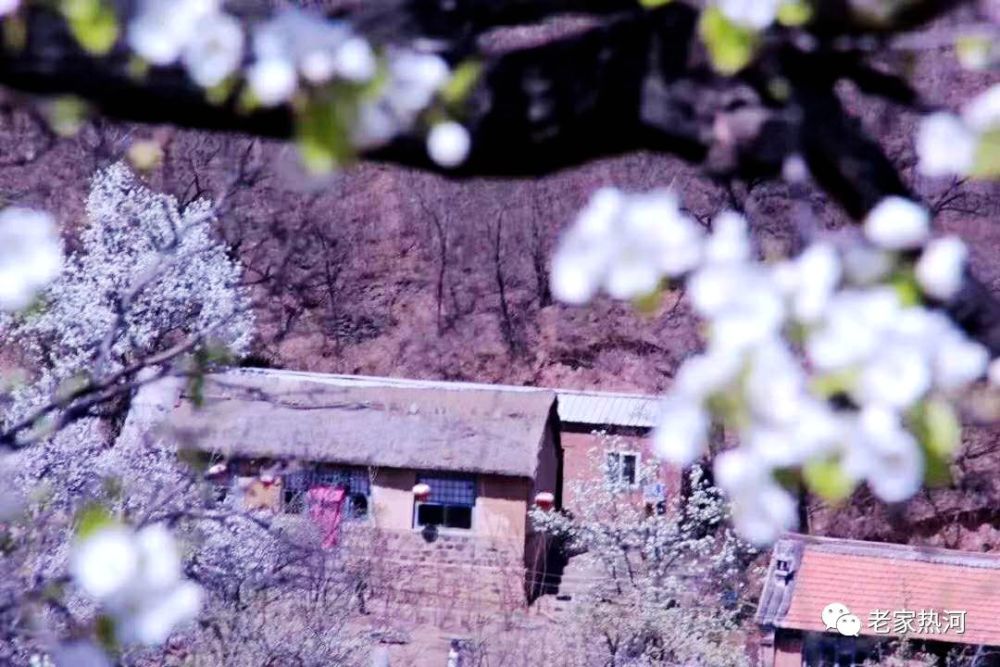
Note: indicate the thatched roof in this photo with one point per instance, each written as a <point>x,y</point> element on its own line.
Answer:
<point>296,416</point>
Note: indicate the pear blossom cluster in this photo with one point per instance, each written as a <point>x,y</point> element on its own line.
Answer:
<point>294,45</point>
<point>146,272</point>
<point>950,144</point>
<point>294,54</point>
<point>751,14</point>
<point>30,255</point>
<point>137,579</point>
<point>818,360</point>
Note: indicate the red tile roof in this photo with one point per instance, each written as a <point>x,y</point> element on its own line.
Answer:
<point>868,576</point>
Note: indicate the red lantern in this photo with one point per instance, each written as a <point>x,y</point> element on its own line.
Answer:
<point>421,492</point>
<point>545,501</point>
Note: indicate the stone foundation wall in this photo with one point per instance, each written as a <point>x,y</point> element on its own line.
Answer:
<point>449,571</point>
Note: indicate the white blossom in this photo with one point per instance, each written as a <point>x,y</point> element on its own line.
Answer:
<point>897,376</point>
<point>214,51</point>
<point>448,144</point>
<point>9,6</point>
<point>945,145</point>
<point>703,375</point>
<point>161,564</point>
<point>178,280</point>
<point>762,517</point>
<point>982,113</point>
<point>272,80</point>
<point>864,265</point>
<point>775,385</point>
<point>819,273</point>
<point>729,241</point>
<point>318,49</point>
<point>761,509</point>
<point>162,29</point>
<point>136,576</point>
<point>897,223</point>
<point>752,14</point>
<point>860,342</point>
<point>682,434</point>
<point>958,361</point>
<point>852,328</point>
<point>414,78</point>
<point>30,255</point>
<point>885,455</point>
<point>941,267</point>
<point>354,61</point>
<point>750,318</point>
<point>105,563</point>
<point>993,373</point>
<point>625,244</point>
<point>152,623</point>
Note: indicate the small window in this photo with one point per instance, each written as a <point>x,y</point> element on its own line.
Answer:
<point>623,468</point>
<point>450,503</point>
<point>354,481</point>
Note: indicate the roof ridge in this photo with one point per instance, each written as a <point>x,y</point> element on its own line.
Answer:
<point>390,380</point>
<point>894,551</point>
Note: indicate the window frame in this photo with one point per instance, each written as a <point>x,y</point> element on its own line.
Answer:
<point>334,474</point>
<point>436,478</point>
<point>621,454</point>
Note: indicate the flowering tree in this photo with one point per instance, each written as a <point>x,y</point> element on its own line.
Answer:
<point>668,587</point>
<point>148,285</point>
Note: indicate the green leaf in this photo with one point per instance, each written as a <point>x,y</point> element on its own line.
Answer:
<point>975,51</point>
<point>939,430</point>
<point>92,518</point>
<point>907,288</point>
<point>196,387</point>
<point>462,80</point>
<point>647,304</point>
<point>938,427</point>
<point>322,134</point>
<point>220,92</point>
<point>653,4</point>
<point>827,480</point>
<point>106,633</point>
<point>93,23</point>
<point>793,13</point>
<point>833,384</point>
<point>15,32</point>
<point>987,163</point>
<point>731,47</point>
<point>66,115</point>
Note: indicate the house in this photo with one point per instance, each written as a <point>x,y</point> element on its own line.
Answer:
<point>446,473</point>
<point>605,433</point>
<point>943,600</point>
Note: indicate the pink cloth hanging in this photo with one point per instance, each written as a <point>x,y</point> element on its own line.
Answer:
<point>326,510</point>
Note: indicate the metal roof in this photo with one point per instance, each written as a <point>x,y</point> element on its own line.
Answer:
<point>607,409</point>
<point>592,408</point>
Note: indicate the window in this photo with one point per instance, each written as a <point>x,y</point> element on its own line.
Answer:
<point>623,468</point>
<point>821,650</point>
<point>354,481</point>
<point>450,503</point>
